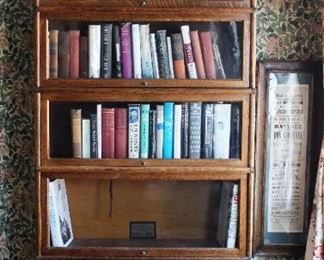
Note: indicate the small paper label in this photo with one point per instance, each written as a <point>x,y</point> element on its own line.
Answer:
<point>142,230</point>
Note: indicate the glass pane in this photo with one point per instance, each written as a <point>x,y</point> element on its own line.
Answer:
<point>192,50</point>
<point>169,130</point>
<point>144,213</point>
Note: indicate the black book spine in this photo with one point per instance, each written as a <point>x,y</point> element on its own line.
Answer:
<point>117,52</point>
<point>195,130</point>
<point>152,137</point>
<point>93,137</point>
<point>207,131</point>
<point>106,50</point>
<point>185,131</point>
<point>162,53</point>
<point>235,138</point>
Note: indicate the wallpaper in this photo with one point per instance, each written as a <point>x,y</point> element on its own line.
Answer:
<point>286,30</point>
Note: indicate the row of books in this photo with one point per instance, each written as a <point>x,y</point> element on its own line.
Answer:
<point>164,131</point>
<point>133,51</point>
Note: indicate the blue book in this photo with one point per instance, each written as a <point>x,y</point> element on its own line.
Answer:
<point>168,130</point>
<point>145,120</point>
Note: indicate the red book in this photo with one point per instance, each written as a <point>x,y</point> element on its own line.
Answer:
<point>108,133</point>
<point>207,52</point>
<point>121,133</point>
<point>197,54</point>
<point>74,52</point>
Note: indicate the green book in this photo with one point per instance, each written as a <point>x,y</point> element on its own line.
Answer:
<point>145,116</point>
<point>85,138</point>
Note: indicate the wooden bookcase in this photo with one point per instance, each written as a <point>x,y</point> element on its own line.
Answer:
<point>88,179</point>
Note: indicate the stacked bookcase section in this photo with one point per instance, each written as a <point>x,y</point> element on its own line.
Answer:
<point>145,124</point>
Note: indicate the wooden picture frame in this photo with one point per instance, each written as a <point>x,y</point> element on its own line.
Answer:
<point>284,83</point>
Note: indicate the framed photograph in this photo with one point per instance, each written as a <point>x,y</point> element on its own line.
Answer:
<point>283,161</point>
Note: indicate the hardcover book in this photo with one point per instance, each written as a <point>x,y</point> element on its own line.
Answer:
<point>94,50</point>
<point>145,118</point>
<point>233,218</point>
<point>134,117</point>
<point>152,136</point>
<point>85,138</point>
<point>106,50</point>
<point>222,130</point>
<point>75,54</point>
<point>159,131</point>
<point>235,138</point>
<point>93,136</point>
<point>197,54</point>
<point>208,56</point>
<point>76,132</point>
<point>64,54</point>
<point>108,133</point>
<point>170,57</point>
<point>188,52</point>
<point>99,130</point>
<point>162,52</point>
<point>195,130</point>
<point>208,131</point>
<point>53,53</point>
<point>137,48</point>
<point>185,130</point>
<point>178,56</point>
<point>147,66</point>
<point>168,130</point>
<point>155,63</point>
<point>126,50</point>
<point>59,214</point>
<point>177,131</point>
<point>84,57</point>
<point>121,133</point>
<point>116,52</point>
<point>220,72</point>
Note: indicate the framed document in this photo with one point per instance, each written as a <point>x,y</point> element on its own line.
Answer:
<point>283,160</point>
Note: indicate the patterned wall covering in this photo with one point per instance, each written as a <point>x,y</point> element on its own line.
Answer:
<point>286,30</point>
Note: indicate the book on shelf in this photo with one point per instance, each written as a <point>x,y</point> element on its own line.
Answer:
<point>134,119</point>
<point>94,37</point>
<point>162,53</point>
<point>170,58</point>
<point>152,134</point>
<point>185,130</point>
<point>64,54</point>
<point>195,130</point>
<point>99,130</point>
<point>117,70</point>
<point>220,72</point>
<point>93,136</point>
<point>178,56</point>
<point>136,50</point>
<point>177,131</point>
<point>207,52</point>
<point>235,137</point>
<point>144,125</point>
<point>75,54</point>
<point>53,53</point>
<point>145,52</point>
<point>208,131</point>
<point>126,50</point>
<point>233,218</point>
<point>222,131</point>
<point>155,63</point>
<point>76,128</point>
<point>159,131</point>
<point>188,52</point>
<point>106,51</point>
<point>84,57</point>
<point>168,115</point>
<point>196,48</point>
<point>108,132</point>
<point>59,214</point>
<point>121,133</point>
<point>86,138</point>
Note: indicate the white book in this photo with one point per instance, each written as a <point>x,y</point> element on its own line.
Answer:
<point>134,135</point>
<point>232,230</point>
<point>177,132</point>
<point>159,131</point>
<point>155,63</point>
<point>59,214</point>
<point>170,57</point>
<point>188,52</point>
<point>136,44</point>
<point>94,50</point>
<point>222,131</point>
<point>99,130</point>
<point>86,138</point>
<point>146,56</point>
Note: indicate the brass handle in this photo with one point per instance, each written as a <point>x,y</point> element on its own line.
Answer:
<point>144,83</point>
<point>144,163</point>
<point>143,3</point>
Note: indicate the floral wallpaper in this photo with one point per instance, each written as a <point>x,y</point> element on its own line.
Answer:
<point>287,29</point>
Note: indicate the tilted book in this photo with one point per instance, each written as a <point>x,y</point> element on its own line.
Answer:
<point>147,66</point>
<point>185,130</point>
<point>64,54</point>
<point>136,45</point>
<point>195,130</point>
<point>168,130</point>
<point>152,136</point>
<point>198,54</point>
<point>121,133</point>
<point>178,56</point>
<point>86,138</point>
<point>93,136</point>
<point>188,52</point>
<point>162,53</point>
<point>76,128</point>
<point>116,52</point>
<point>134,119</point>
<point>106,50</point>
<point>145,118</point>
<point>94,50</point>
<point>233,218</point>
<point>155,63</point>
<point>75,54</point>
<point>222,130</point>
<point>177,131</point>
<point>59,214</point>
<point>108,133</point>
<point>220,72</point>
<point>159,131</point>
<point>208,131</point>
<point>53,53</point>
<point>126,50</point>
<point>235,138</point>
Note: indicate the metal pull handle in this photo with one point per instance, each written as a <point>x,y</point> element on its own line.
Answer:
<point>143,3</point>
